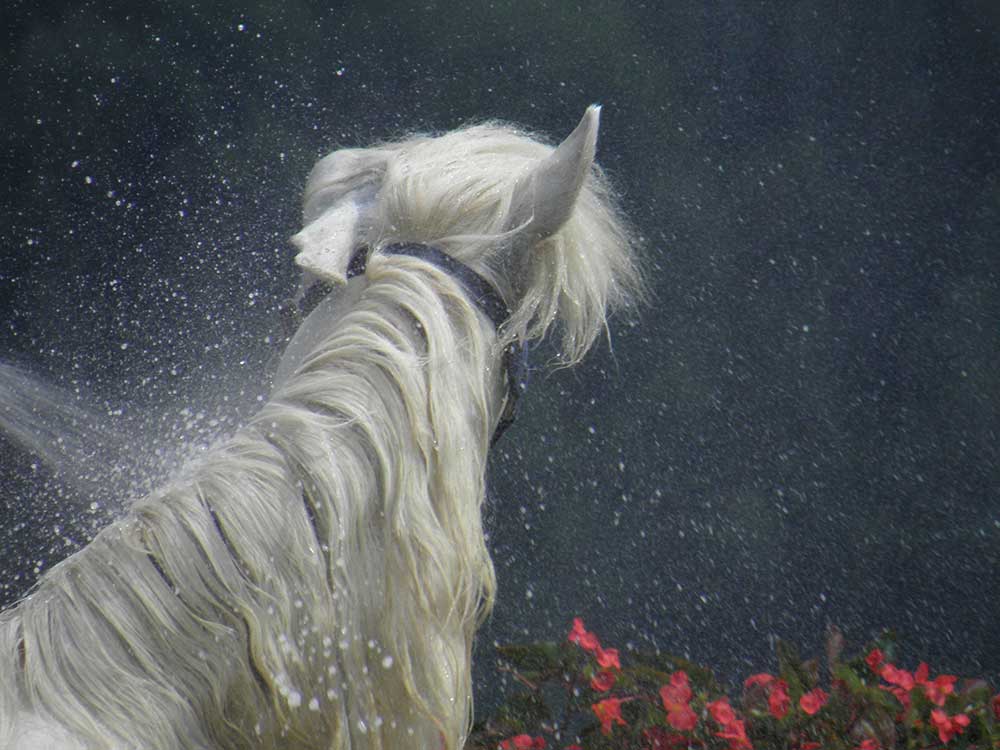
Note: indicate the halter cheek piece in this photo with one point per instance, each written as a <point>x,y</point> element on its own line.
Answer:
<point>479,290</point>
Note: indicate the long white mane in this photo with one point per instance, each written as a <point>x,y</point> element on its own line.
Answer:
<point>316,580</point>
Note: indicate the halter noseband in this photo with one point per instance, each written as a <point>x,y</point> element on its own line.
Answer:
<point>479,290</point>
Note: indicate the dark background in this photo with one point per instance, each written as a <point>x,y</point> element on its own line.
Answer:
<point>802,428</point>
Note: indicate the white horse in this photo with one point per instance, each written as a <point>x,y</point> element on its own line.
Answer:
<point>316,580</point>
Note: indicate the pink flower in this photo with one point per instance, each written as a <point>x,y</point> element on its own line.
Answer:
<point>762,679</point>
<point>948,726</point>
<point>608,658</point>
<point>732,728</point>
<point>899,677</point>
<point>682,718</point>
<point>813,701</point>
<point>942,686</point>
<point>676,696</point>
<point>582,637</point>
<point>678,691</point>
<point>602,681</point>
<point>735,731</point>
<point>776,691</point>
<point>874,659</point>
<point>778,701</point>
<point>722,712</point>
<point>938,689</point>
<point>900,684</point>
<point>608,711</point>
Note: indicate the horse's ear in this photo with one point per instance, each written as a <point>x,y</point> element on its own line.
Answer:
<point>340,196</point>
<point>550,190</point>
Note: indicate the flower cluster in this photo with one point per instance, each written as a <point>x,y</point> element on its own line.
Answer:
<point>676,699</point>
<point>902,684</point>
<point>666,703</point>
<point>733,729</point>
<point>778,701</point>
<point>609,710</point>
<point>607,659</point>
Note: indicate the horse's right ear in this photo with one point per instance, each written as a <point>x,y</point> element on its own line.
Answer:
<point>548,193</point>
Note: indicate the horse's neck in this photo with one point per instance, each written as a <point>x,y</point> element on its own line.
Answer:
<point>317,326</point>
<point>408,319</point>
<point>403,375</point>
<point>364,472</point>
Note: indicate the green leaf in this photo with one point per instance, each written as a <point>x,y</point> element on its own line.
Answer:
<point>800,679</point>
<point>522,711</point>
<point>888,643</point>
<point>657,668</point>
<point>537,661</point>
<point>847,674</point>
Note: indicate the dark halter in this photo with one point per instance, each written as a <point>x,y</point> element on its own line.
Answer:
<point>479,290</point>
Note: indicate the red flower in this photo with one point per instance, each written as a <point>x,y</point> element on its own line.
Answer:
<point>996,706</point>
<point>938,689</point>
<point>736,733</point>
<point>762,679</point>
<point>899,677</point>
<point>869,744</point>
<point>874,659</point>
<point>523,742</point>
<point>901,683</point>
<point>809,745</point>
<point>678,691</point>
<point>603,681</point>
<point>676,696</point>
<point>948,726</point>
<point>584,639</point>
<point>722,712</point>
<point>813,701</point>
<point>608,658</point>
<point>683,719</point>
<point>609,710</point>
<point>732,729</point>
<point>778,700</point>
<point>776,691</point>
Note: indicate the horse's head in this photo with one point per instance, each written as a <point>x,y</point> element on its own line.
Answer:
<point>539,222</point>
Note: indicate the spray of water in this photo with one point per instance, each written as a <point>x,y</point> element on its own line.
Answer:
<point>63,470</point>
<point>70,468</point>
<point>78,444</point>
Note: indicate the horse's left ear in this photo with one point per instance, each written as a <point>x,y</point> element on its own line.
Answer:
<point>550,190</point>
<point>340,196</point>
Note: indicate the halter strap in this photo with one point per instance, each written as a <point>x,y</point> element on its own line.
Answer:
<point>486,298</point>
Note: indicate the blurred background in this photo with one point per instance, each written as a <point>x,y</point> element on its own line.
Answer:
<point>801,430</point>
